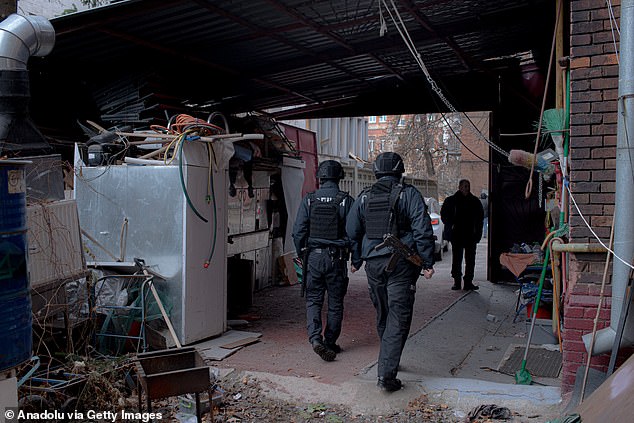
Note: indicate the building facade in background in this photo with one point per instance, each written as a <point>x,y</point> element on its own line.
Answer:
<point>431,149</point>
<point>474,152</point>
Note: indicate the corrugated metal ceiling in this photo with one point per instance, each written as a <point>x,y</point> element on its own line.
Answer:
<point>326,56</point>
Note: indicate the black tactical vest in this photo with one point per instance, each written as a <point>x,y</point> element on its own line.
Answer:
<point>380,216</point>
<point>324,217</point>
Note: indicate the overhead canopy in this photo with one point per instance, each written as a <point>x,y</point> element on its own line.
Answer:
<point>323,58</point>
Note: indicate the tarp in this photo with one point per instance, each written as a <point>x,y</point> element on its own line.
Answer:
<point>292,183</point>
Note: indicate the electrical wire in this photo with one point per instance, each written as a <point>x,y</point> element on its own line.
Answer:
<point>613,24</point>
<point>189,128</point>
<point>215,209</point>
<point>459,139</point>
<point>627,137</point>
<point>444,117</point>
<point>182,179</point>
<point>529,183</point>
<point>404,33</point>
<point>572,198</point>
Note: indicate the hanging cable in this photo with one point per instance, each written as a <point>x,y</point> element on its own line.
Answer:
<point>182,179</point>
<point>212,155</point>
<point>529,183</point>
<point>613,24</point>
<point>459,139</point>
<point>434,86</point>
<point>190,129</point>
<point>444,117</point>
<point>572,199</point>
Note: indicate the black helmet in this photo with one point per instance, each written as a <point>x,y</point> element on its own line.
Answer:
<point>330,169</point>
<point>388,164</point>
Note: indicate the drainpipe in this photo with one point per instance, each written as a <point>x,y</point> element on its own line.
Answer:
<point>624,196</point>
<point>20,38</point>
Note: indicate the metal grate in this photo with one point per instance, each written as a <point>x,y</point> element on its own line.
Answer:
<point>540,362</point>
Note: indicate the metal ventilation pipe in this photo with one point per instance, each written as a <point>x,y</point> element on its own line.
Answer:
<point>624,196</point>
<point>20,38</point>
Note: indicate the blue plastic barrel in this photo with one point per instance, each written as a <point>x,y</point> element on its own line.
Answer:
<point>15,295</point>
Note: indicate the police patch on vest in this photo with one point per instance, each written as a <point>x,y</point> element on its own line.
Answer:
<point>325,222</point>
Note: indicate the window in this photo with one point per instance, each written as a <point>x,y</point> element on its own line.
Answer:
<point>372,119</point>
<point>383,118</point>
<point>401,122</point>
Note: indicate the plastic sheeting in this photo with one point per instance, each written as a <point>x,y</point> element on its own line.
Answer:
<point>292,183</point>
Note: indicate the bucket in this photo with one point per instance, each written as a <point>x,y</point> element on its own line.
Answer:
<point>544,311</point>
<point>15,295</point>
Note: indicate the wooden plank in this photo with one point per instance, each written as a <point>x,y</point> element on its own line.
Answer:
<point>240,343</point>
<point>211,350</point>
<point>612,401</point>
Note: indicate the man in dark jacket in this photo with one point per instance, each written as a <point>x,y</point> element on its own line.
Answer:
<point>319,236</point>
<point>462,215</point>
<point>391,207</point>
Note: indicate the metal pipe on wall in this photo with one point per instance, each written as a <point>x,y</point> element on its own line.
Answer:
<point>578,248</point>
<point>624,195</point>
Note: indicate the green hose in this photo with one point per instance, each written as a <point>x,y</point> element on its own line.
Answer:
<point>191,205</point>
<point>180,171</point>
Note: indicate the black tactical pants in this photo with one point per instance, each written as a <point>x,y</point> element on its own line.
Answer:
<point>457,248</point>
<point>393,297</point>
<point>326,273</point>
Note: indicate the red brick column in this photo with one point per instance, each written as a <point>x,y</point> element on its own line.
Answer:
<point>579,314</point>
<point>593,128</point>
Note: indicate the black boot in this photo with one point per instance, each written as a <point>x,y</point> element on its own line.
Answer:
<point>325,353</point>
<point>456,285</point>
<point>389,385</point>
<point>469,286</point>
<point>333,347</point>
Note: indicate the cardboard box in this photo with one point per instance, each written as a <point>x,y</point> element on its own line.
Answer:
<point>288,275</point>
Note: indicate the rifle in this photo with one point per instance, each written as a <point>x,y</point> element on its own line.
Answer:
<point>304,259</point>
<point>398,250</point>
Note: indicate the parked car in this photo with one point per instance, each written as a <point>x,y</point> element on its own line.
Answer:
<point>433,208</point>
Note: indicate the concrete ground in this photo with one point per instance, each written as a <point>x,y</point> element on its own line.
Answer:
<point>457,342</point>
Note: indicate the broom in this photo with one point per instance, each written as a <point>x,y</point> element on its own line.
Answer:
<point>523,376</point>
<point>529,161</point>
<point>554,122</point>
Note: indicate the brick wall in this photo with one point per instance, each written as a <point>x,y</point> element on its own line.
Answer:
<point>593,115</point>
<point>472,167</point>
<point>579,315</point>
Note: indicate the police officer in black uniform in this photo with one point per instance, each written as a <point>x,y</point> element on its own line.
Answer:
<point>320,237</point>
<point>389,206</point>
